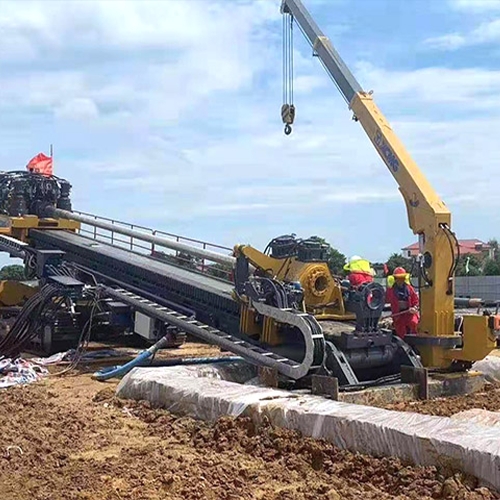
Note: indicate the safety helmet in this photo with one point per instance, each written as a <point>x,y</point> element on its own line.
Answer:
<point>399,272</point>
<point>354,258</point>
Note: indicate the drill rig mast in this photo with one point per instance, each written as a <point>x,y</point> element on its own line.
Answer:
<point>429,218</point>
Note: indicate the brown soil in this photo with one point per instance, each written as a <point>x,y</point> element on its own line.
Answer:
<point>489,399</point>
<point>69,438</point>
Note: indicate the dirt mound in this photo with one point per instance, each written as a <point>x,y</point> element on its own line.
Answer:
<point>70,439</point>
<point>489,399</point>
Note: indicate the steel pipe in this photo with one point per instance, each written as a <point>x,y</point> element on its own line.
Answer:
<point>157,240</point>
<point>468,302</point>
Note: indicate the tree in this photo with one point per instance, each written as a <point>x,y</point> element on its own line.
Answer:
<point>492,267</point>
<point>14,272</point>
<point>336,261</point>
<point>180,259</point>
<point>398,260</point>
<point>472,263</point>
<point>219,270</point>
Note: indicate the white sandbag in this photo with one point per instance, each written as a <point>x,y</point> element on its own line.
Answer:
<point>186,392</point>
<point>479,417</point>
<point>419,439</point>
<point>489,367</point>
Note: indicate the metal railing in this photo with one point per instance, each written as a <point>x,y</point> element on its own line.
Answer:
<point>153,250</point>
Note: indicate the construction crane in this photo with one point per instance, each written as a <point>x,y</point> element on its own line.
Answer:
<point>438,342</point>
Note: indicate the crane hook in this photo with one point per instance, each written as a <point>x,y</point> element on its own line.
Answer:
<point>288,129</point>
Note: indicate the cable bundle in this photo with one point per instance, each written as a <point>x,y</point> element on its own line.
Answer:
<point>37,312</point>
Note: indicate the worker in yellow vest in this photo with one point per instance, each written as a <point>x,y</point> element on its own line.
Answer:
<point>360,271</point>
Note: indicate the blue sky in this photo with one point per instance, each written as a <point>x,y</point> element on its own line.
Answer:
<point>167,114</point>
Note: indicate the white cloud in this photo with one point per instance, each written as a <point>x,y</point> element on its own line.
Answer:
<point>486,32</point>
<point>306,83</point>
<point>451,41</point>
<point>78,109</point>
<point>470,88</point>
<point>168,114</point>
<point>125,25</point>
<point>476,5</point>
<point>188,51</point>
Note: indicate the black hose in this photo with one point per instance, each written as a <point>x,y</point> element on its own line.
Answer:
<point>389,379</point>
<point>38,311</point>
<point>451,235</point>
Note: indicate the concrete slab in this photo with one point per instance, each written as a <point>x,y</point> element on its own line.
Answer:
<point>440,385</point>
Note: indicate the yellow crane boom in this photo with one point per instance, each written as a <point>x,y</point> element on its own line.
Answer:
<point>428,216</point>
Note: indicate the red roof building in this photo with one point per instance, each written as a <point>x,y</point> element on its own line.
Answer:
<point>467,247</point>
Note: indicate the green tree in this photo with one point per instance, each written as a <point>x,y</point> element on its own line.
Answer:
<point>336,260</point>
<point>219,270</point>
<point>14,272</point>
<point>180,259</point>
<point>492,267</point>
<point>474,266</point>
<point>398,260</point>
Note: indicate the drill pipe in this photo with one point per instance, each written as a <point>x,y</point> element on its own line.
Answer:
<point>468,302</point>
<point>183,247</point>
<point>140,235</point>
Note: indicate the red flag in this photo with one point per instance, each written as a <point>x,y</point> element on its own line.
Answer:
<point>40,164</point>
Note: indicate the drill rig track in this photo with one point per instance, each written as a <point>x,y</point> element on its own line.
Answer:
<point>251,352</point>
<point>159,288</point>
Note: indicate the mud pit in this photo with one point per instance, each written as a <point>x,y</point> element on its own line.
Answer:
<point>71,439</point>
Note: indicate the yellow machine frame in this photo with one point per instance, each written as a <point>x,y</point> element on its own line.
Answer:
<point>18,227</point>
<point>15,292</point>
<point>322,291</point>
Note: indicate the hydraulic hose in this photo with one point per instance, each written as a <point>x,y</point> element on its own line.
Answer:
<point>144,358</point>
<point>120,370</point>
<point>38,311</point>
<point>195,361</point>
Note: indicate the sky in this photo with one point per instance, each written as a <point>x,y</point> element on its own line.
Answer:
<point>167,114</point>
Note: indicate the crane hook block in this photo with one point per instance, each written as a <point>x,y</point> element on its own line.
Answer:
<point>288,116</point>
<point>288,113</point>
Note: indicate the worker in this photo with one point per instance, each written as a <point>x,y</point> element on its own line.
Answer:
<point>404,302</point>
<point>360,271</point>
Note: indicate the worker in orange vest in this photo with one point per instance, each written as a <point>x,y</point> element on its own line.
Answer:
<point>404,303</point>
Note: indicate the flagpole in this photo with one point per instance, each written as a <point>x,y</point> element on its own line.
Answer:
<point>52,156</point>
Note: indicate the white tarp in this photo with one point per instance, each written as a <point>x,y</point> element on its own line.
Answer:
<point>479,417</point>
<point>420,439</point>
<point>489,367</point>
